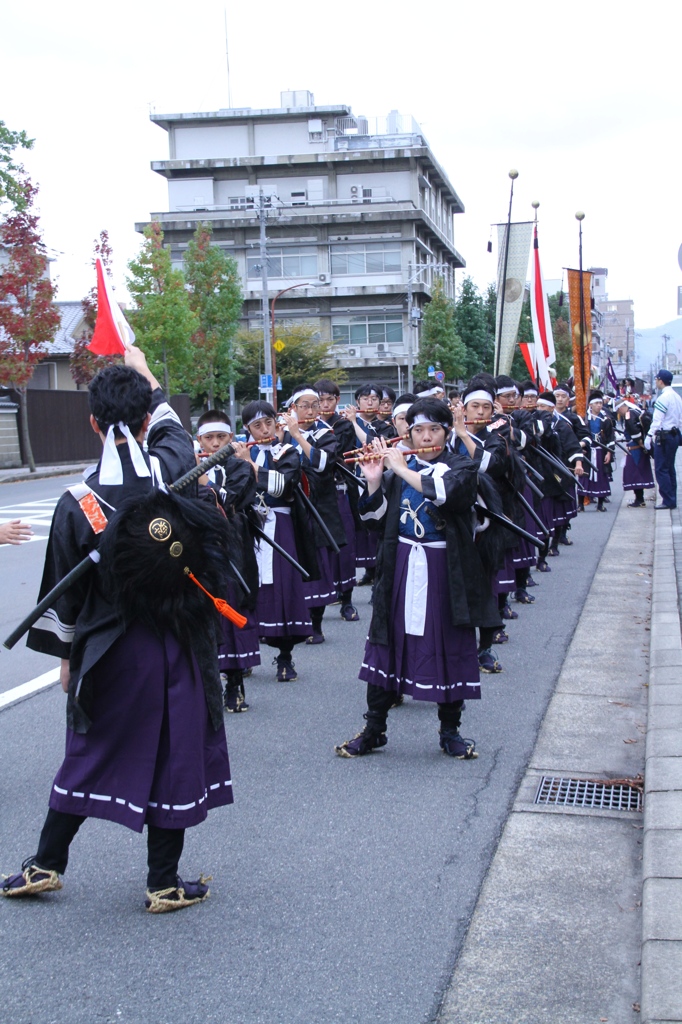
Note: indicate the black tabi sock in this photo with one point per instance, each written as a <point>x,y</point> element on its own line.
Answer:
<point>347,597</point>
<point>316,615</point>
<point>521,577</point>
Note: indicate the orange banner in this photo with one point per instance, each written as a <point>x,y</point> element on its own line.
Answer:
<point>581,335</point>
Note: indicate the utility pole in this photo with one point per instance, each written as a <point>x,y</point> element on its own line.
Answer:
<point>267,351</point>
<point>666,339</point>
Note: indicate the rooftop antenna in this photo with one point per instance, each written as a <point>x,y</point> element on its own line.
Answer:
<point>227,61</point>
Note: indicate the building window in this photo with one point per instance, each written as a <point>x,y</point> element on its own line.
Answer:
<point>366,258</point>
<point>293,261</point>
<point>385,329</point>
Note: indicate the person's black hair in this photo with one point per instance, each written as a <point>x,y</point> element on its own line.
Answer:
<point>407,397</point>
<point>325,386</point>
<point>453,393</point>
<point>436,411</point>
<point>481,382</point>
<point>119,394</point>
<point>528,385</point>
<point>367,389</point>
<point>214,416</point>
<point>548,396</point>
<point>503,382</point>
<point>387,392</point>
<point>250,411</point>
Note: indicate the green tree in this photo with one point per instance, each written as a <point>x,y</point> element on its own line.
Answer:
<point>215,297</point>
<point>440,346</point>
<point>472,324</point>
<point>12,188</point>
<point>162,319</point>
<point>304,358</point>
<point>561,331</point>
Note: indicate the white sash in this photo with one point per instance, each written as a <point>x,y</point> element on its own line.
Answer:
<point>264,551</point>
<point>417,585</point>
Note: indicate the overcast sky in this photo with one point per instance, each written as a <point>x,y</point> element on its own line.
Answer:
<point>581,98</point>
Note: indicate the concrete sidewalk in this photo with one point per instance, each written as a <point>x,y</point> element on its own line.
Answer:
<point>21,473</point>
<point>556,934</point>
<point>662,865</point>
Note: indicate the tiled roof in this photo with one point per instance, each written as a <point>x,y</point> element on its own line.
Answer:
<point>72,315</point>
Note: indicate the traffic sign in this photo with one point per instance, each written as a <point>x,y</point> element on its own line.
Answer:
<point>279,383</point>
<point>266,382</point>
<point>440,376</point>
<point>279,346</point>
<point>431,371</point>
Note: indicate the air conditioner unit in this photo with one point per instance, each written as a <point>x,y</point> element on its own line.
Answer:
<point>381,348</point>
<point>351,352</point>
<point>323,278</point>
<point>354,189</point>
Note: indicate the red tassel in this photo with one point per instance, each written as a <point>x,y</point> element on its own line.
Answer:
<point>222,606</point>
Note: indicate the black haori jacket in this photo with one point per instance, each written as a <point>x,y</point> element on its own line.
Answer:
<point>320,474</point>
<point>84,623</point>
<point>470,595</point>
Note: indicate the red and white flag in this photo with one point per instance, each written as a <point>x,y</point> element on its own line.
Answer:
<point>113,334</point>
<point>544,355</point>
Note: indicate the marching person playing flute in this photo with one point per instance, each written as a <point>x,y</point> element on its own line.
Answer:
<point>431,589</point>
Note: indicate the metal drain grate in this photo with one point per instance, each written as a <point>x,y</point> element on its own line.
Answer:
<point>561,792</point>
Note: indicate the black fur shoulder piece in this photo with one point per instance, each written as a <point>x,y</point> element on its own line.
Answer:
<point>145,550</point>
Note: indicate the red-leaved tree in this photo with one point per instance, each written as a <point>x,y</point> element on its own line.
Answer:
<point>28,317</point>
<point>84,364</point>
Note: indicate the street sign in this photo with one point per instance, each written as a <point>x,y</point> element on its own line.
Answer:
<point>431,371</point>
<point>440,376</point>
<point>266,382</point>
<point>279,383</point>
<point>279,346</point>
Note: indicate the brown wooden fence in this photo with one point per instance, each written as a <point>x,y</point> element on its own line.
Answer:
<point>59,427</point>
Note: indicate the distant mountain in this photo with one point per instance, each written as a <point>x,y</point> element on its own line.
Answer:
<point>649,342</point>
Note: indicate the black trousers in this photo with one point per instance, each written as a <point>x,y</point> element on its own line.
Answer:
<point>164,848</point>
<point>379,701</point>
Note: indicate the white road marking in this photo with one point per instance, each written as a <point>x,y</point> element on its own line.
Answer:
<point>33,513</point>
<point>29,688</point>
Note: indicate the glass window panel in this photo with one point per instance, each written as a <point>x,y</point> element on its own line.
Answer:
<point>339,263</point>
<point>274,266</point>
<point>309,265</point>
<point>392,261</point>
<point>340,334</point>
<point>375,262</point>
<point>253,267</point>
<point>394,333</point>
<point>356,263</point>
<point>358,334</point>
<point>291,265</point>
<point>376,333</point>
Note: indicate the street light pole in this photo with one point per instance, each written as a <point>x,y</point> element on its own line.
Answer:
<point>503,283</point>
<point>273,353</point>
<point>410,328</point>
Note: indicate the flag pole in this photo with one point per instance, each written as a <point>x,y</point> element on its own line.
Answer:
<point>498,346</point>
<point>580,217</point>
<point>535,205</point>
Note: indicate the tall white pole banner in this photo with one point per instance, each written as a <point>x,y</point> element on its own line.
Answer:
<point>514,286</point>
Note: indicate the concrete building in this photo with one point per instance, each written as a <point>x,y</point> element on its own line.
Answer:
<point>358,210</point>
<point>613,328</point>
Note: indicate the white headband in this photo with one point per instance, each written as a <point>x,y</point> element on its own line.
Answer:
<point>421,418</point>
<point>478,396</point>
<point>217,425</point>
<point>259,416</point>
<point>301,394</point>
<point>592,400</point>
<point>544,401</point>
<point>530,391</point>
<point>400,410</point>
<point>432,391</point>
<point>562,391</point>
<point>111,470</point>
<point>505,391</point>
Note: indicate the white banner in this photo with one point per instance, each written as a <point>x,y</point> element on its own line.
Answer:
<point>508,316</point>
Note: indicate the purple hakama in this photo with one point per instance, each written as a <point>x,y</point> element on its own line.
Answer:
<point>525,554</point>
<point>597,484</point>
<point>151,755</point>
<point>637,473</point>
<point>504,580</point>
<point>238,648</point>
<point>343,564</point>
<point>366,544</point>
<point>440,666</point>
<point>321,592</point>
<point>281,609</point>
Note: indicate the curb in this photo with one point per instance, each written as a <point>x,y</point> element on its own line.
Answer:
<point>662,859</point>
<point>44,474</point>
